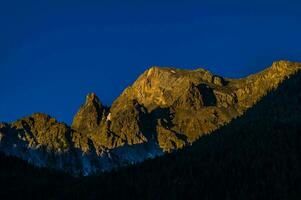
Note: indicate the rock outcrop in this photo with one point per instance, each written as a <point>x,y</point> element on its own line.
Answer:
<point>89,115</point>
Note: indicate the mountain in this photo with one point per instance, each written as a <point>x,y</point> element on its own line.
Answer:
<point>256,156</point>
<point>165,109</point>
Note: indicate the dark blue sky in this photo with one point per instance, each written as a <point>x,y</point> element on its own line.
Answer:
<point>52,53</point>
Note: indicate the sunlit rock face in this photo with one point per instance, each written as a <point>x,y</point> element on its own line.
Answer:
<point>163,86</point>
<point>192,103</point>
<point>90,125</point>
<point>165,109</point>
<point>89,115</point>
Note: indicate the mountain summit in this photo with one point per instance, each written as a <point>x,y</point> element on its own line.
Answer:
<point>165,109</point>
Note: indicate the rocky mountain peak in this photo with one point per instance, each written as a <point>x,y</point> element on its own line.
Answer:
<point>164,86</point>
<point>283,64</point>
<point>277,70</point>
<point>39,131</point>
<point>89,115</point>
<point>92,98</point>
<point>282,68</point>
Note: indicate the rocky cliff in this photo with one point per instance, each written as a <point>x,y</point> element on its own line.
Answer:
<point>164,109</point>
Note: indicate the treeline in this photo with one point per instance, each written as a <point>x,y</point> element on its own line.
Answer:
<point>20,180</point>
